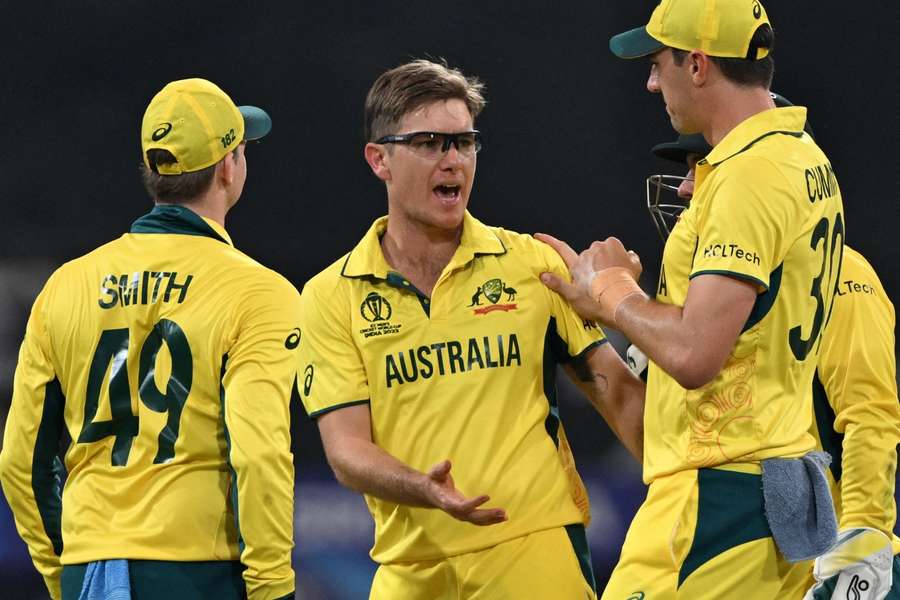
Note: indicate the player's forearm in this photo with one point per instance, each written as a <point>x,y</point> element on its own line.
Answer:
<point>624,411</point>
<point>629,405</point>
<point>619,398</point>
<point>680,347</point>
<point>869,464</point>
<point>364,467</point>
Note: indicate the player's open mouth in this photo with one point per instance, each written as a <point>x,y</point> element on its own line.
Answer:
<point>447,193</point>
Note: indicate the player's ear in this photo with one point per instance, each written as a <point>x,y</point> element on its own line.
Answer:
<point>378,159</point>
<point>225,169</point>
<point>698,67</point>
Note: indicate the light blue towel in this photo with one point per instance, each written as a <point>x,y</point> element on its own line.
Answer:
<point>798,505</point>
<point>106,580</point>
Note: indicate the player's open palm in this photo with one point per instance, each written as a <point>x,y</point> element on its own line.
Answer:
<point>444,495</point>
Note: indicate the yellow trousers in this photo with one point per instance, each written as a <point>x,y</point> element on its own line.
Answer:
<point>545,565</point>
<point>702,534</point>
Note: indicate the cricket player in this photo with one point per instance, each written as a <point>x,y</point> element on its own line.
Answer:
<point>747,282</point>
<point>857,415</point>
<point>165,359</point>
<point>429,355</point>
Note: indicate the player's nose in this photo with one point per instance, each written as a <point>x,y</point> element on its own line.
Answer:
<point>653,81</point>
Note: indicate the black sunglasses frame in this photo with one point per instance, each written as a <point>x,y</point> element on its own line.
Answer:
<point>449,138</point>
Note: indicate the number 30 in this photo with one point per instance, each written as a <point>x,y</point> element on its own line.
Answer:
<point>799,346</point>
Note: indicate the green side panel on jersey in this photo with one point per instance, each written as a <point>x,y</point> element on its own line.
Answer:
<point>554,348</point>
<point>556,352</point>
<point>582,551</point>
<point>234,480</point>
<point>765,301</point>
<point>729,513</point>
<point>47,470</point>
<point>832,441</point>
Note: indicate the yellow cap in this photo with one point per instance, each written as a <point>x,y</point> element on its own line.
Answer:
<point>199,124</point>
<point>722,28</point>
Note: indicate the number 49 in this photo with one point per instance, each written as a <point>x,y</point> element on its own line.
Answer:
<point>124,425</point>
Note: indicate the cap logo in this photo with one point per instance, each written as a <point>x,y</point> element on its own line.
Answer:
<point>757,9</point>
<point>161,132</point>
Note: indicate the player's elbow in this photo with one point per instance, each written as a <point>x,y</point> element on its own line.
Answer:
<point>343,477</point>
<point>341,469</point>
<point>694,369</point>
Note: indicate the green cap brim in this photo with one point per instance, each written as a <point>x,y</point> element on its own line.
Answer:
<point>678,150</point>
<point>257,122</point>
<point>634,44</point>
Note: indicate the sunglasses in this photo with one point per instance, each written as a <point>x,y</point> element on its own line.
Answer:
<point>433,144</point>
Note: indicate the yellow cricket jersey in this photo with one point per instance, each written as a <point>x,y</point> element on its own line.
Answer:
<point>766,209</point>
<point>467,374</point>
<point>857,415</point>
<point>168,357</point>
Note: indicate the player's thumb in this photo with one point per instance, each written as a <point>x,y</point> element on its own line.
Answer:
<point>439,471</point>
<point>559,285</point>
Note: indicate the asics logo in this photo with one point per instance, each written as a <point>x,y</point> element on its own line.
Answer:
<point>161,132</point>
<point>293,340</point>
<point>308,379</point>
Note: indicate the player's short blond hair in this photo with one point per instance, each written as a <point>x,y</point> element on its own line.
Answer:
<point>405,88</point>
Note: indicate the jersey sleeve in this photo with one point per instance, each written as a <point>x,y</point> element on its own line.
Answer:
<point>260,371</point>
<point>857,368</point>
<point>30,468</point>
<point>571,335</point>
<point>334,374</point>
<point>744,226</point>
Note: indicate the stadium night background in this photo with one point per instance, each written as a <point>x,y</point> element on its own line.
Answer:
<point>567,130</point>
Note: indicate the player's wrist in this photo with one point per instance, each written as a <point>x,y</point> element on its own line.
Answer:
<point>611,287</point>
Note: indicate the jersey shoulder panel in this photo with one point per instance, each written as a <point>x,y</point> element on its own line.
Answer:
<point>856,266</point>
<point>527,249</point>
<point>329,279</point>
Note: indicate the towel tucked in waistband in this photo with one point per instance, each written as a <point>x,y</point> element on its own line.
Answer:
<point>798,505</point>
<point>106,580</point>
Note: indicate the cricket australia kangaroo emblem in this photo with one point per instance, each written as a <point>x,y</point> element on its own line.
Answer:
<point>493,290</point>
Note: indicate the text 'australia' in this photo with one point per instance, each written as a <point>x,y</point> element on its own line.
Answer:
<point>452,357</point>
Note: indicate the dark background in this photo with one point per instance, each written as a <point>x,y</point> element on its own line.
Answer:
<point>567,135</point>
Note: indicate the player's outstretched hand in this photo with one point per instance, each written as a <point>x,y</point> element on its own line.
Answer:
<point>444,495</point>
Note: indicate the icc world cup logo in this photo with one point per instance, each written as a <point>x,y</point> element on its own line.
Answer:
<point>375,308</point>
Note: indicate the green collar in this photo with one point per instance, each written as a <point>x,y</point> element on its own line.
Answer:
<point>170,218</point>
